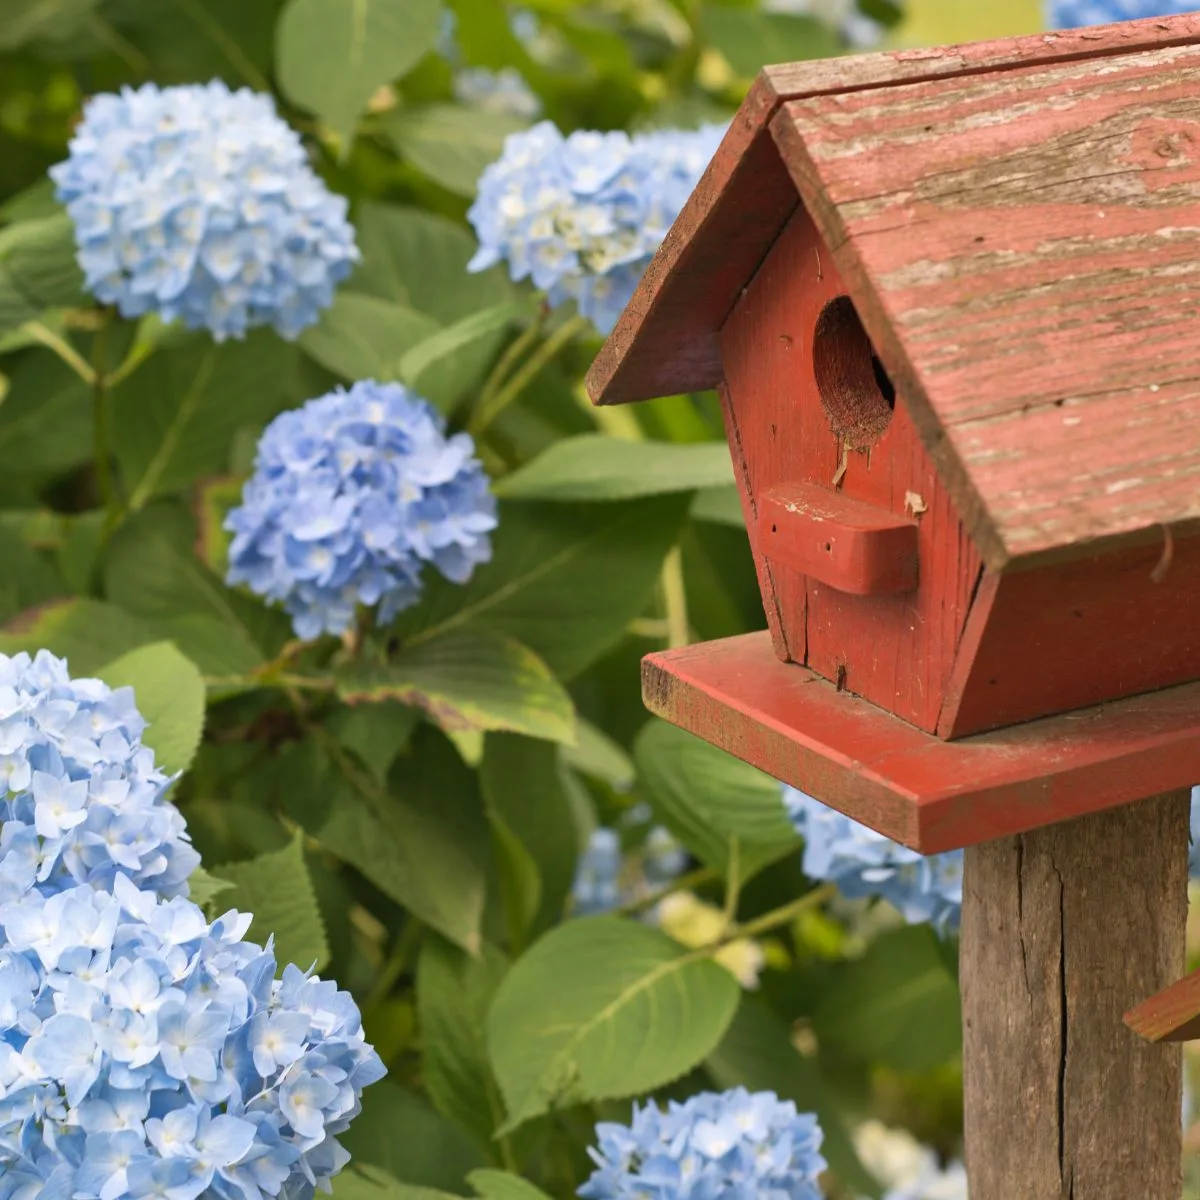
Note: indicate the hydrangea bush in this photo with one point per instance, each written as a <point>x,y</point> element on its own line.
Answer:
<point>1067,14</point>
<point>303,483</point>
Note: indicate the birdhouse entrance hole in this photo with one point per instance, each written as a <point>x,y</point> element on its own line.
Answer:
<point>856,393</point>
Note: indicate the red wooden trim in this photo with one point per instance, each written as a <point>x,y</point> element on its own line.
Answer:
<point>1173,1015</point>
<point>974,628</point>
<point>666,341</point>
<point>930,794</point>
<point>844,543</point>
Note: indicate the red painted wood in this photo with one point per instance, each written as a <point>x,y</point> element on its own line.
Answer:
<point>1073,634</point>
<point>1022,247</point>
<point>1173,1015</point>
<point>923,791</point>
<point>841,542</point>
<point>666,342</point>
<point>896,650</point>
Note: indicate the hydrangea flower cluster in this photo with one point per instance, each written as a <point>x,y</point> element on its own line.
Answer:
<point>82,800</point>
<point>1194,822</point>
<point>907,1169</point>
<point>864,863</point>
<point>605,879</point>
<point>1069,14</point>
<point>146,1053</point>
<point>583,215</point>
<point>503,91</point>
<point>714,1145</point>
<point>352,494</point>
<point>199,204</point>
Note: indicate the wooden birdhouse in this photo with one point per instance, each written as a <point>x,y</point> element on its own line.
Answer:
<point>950,300</point>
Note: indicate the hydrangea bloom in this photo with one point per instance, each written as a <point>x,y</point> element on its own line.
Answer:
<point>1194,852</point>
<point>199,204</point>
<point>582,215</point>
<point>82,801</point>
<point>1067,14</point>
<point>605,879</point>
<point>864,863</point>
<point>715,1145</point>
<point>496,92</point>
<point>352,494</point>
<point>146,1053</point>
<point>908,1170</point>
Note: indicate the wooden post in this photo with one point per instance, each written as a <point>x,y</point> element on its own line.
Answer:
<point>1064,929</point>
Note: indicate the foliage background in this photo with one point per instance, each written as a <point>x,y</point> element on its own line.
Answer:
<point>414,828</point>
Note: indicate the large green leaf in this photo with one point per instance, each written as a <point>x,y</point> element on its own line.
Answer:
<point>169,692</point>
<point>756,1053</point>
<point>596,467</point>
<point>175,417</point>
<point>375,732</point>
<point>454,992</point>
<point>333,55</point>
<point>603,1008</point>
<point>751,39</point>
<point>278,889</point>
<point>398,1132</point>
<point>468,679</point>
<point>504,1185</point>
<point>450,143</point>
<point>28,578</point>
<point>897,1005</point>
<point>361,1181</point>
<point>564,580</point>
<point>87,633</point>
<point>708,799</point>
<point>719,506</point>
<point>46,417</point>
<point>35,20</point>
<point>365,337</point>
<point>37,264</point>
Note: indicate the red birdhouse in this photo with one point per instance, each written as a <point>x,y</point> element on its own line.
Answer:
<point>951,303</point>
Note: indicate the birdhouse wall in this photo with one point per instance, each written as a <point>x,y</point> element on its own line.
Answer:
<point>895,649</point>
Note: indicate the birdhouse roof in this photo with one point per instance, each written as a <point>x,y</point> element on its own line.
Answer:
<point>1018,224</point>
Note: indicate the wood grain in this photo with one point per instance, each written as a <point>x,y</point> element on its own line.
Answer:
<point>918,789</point>
<point>1062,929</point>
<point>1172,1015</point>
<point>896,650</point>
<point>666,341</point>
<point>1023,248</point>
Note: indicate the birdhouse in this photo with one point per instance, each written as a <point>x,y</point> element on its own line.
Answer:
<point>951,303</point>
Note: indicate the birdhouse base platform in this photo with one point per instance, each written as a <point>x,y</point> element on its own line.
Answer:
<point>927,793</point>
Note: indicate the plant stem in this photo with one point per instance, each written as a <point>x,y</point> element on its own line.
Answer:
<point>396,964</point>
<point>778,916</point>
<point>63,349</point>
<point>684,883</point>
<point>102,445</point>
<point>733,882</point>
<point>508,360</point>
<point>487,410</point>
<point>675,599</point>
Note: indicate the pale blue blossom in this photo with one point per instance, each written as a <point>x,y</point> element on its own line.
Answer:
<point>145,1052</point>
<point>582,216</point>
<point>81,800</point>
<point>864,863</point>
<point>1067,14</point>
<point>607,878</point>
<point>198,203</point>
<point>352,495</point>
<point>504,91</point>
<point>732,1145</point>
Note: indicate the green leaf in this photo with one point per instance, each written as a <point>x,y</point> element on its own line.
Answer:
<point>597,755</point>
<point>169,692</point>
<point>518,879</point>
<point>36,20</point>
<point>757,1053</point>
<point>398,1132</point>
<point>333,55</point>
<point>364,337</point>
<point>214,501</point>
<point>450,143</point>
<point>175,417</point>
<point>277,888</point>
<point>719,506</point>
<point>524,788</point>
<point>468,679</point>
<point>564,580</point>
<point>751,39</point>
<point>504,1185</point>
<point>707,798</point>
<point>87,633</point>
<point>454,992</point>
<point>46,417</point>
<point>603,1008</point>
<point>594,466</point>
<point>362,1182</point>
<point>898,1005</point>
<point>419,260</point>
<point>28,577</point>
<point>375,732</point>
<point>37,265</point>
<point>203,889</point>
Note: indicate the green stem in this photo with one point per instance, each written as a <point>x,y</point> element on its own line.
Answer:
<point>733,881</point>
<point>487,410</point>
<point>102,445</point>
<point>779,916</point>
<point>684,883</point>
<point>508,360</point>
<point>397,963</point>
<point>63,349</point>
<point>675,599</point>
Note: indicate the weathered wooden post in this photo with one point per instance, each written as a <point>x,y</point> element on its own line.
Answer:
<point>951,302</point>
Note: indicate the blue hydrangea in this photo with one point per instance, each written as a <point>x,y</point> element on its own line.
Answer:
<point>934,1183</point>
<point>605,878</point>
<point>147,1054</point>
<point>503,91</point>
<point>81,800</point>
<point>582,215</point>
<point>1194,852</point>
<point>731,1145</point>
<point>1068,14</point>
<point>864,863</point>
<point>199,204</point>
<point>352,495</point>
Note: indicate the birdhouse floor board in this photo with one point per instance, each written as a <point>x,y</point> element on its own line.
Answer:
<point>1172,1015</point>
<point>930,794</point>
